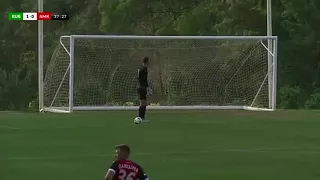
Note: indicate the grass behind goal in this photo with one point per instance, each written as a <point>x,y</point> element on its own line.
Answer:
<point>185,145</point>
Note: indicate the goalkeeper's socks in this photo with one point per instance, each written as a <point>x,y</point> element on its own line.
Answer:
<point>141,114</point>
<point>144,109</point>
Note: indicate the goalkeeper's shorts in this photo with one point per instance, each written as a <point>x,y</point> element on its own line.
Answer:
<point>142,92</point>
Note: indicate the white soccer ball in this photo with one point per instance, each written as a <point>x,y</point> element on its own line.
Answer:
<point>137,120</point>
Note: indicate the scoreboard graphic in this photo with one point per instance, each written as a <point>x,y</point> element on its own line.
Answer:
<point>36,16</point>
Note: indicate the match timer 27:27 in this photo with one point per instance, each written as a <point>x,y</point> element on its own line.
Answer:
<point>60,17</point>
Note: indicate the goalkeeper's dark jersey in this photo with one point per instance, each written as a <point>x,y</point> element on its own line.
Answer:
<point>143,77</point>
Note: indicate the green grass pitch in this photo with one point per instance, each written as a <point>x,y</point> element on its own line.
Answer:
<point>176,145</point>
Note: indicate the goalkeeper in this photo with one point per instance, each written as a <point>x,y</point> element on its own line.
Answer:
<point>143,89</point>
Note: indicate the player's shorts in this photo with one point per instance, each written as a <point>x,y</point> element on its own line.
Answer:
<point>142,93</point>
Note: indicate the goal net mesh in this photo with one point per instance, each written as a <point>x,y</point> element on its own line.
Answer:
<point>182,72</point>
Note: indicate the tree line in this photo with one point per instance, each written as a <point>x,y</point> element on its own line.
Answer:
<point>294,22</point>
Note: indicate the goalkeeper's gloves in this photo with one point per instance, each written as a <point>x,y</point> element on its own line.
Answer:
<point>149,91</point>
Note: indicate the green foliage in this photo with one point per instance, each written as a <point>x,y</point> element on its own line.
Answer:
<point>15,92</point>
<point>296,24</point>
<point>290,97</point>
<point>314,100</point>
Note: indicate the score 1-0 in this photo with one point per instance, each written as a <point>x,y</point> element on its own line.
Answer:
<point>30,16</point>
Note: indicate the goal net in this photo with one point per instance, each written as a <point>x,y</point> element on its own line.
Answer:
<point>99,72</point>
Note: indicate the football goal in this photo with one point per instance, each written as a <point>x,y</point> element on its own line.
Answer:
<point>99,72</point>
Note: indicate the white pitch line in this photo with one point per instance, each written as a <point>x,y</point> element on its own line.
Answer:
<point>39,158</point>
<point>204,122</point>
<point>8,127</point>
<point>44,128</point>
<point>275,150</point>
<point>267,150</point>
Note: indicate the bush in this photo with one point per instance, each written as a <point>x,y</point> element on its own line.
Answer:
<point>314,100</point>
<point>15,91</point>
<point>290,97</point>
<point>34,104</point>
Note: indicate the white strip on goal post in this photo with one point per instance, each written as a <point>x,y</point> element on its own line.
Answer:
<point>98,72</point>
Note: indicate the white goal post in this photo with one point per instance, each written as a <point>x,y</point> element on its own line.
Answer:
<point>99,72</point>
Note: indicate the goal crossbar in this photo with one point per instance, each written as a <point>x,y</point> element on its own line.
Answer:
<point>176,37</point>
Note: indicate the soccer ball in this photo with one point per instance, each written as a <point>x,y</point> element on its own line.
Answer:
<point>137,120</point>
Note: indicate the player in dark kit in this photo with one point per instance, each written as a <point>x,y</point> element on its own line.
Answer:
<point>124,169</point>
<point>143,89</point>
